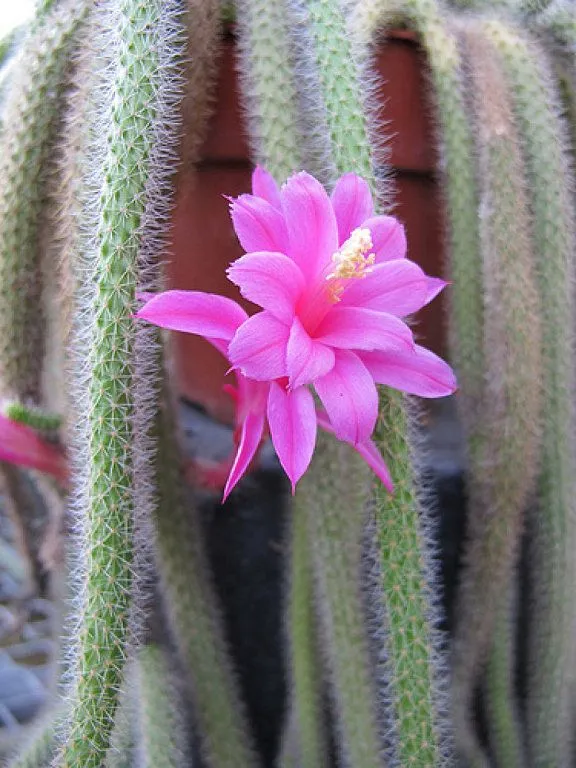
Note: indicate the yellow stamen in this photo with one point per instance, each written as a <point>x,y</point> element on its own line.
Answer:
<point>350,261</point>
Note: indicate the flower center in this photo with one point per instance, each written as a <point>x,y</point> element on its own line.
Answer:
<point>351,261</point>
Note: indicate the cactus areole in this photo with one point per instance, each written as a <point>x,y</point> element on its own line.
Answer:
<point>333,284</point>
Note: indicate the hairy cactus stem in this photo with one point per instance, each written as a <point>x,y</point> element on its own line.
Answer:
<point>29,114</point>
<point>271,102</point>
<point>325,493</point>
<point>267,86</point>
<point>404,541</point>
<point>305,736</point>
<point>557,22</point>
<point>551,652</point>
<point>162,500</point>
<point>106,502</point>
<point>558,17</point>
<point>161,730</point>
<point>123,737</point>
<point>504,472</point>
<point>29,119</point>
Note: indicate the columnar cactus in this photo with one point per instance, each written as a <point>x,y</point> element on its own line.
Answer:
<point>107,522</point>
<point>29,118</point>
<point>93,113</point>
<point>507,464</point>
<point>161,733</point>
<point>552,658</point>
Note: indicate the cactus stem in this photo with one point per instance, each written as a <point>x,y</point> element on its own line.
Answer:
<point>306,734</point>
<point>550,668</point>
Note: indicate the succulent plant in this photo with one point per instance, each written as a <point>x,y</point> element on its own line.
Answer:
<point>102,103</point>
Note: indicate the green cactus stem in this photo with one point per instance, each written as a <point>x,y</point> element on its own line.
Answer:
<point>401,533</point>
<point>533,6</point>
<point>332,501</point>
<point>9,46</point>
<point>557,22</point>
<point>75,220</point>
<point>165,509</point>
<point>123,737</point>
<point>505,726</point>
<point>268,87</point>
<point>161,730</point>
<point>415,666</point>
<point>503,474</point>
<point>43,7</point>
<point>305,737</point>
<point>28,116</point>
<point>203,32</point>
<point>359,734</point>
<point>108,511</point>
<point>550,666</point>
<point>271,102</point>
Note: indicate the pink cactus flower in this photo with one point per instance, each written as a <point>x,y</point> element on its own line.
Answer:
<point>20,445</point>
<point>334,284</point>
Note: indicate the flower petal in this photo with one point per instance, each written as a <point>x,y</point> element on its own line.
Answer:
<point>292,421</point>
<point>388,238</point>
<point>435,285</point>
<point>367,450</point>
<point>259,347</point>
<point>311,223</point>
<point>252,396</point>
<point>271,280</point>
<point>20,445</point>
<point>352,203</point>
<point>205,314</point>
<point>250,437</point>
<point>258,225</point>
<point>398,287</point>
<point>358,328</point>
<point>373,458</point>
<point>349,395</point>
<point>264,186</point>
<point>306,359</point>
<point>420,372</point>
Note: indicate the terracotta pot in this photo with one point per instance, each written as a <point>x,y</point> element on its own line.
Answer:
<point>204,242</point>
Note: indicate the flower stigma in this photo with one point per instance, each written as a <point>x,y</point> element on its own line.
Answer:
<point>350,261</point>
